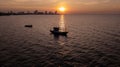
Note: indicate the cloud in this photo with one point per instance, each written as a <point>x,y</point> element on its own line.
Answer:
<point>88,2</point>
<point>51,2</point>
<point>72,4</point>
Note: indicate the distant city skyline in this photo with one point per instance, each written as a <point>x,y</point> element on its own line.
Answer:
<point>72,6</point>
<point>36,12</point>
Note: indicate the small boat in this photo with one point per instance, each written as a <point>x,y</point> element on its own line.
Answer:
<point>28,25</point>
<point>56,31</point>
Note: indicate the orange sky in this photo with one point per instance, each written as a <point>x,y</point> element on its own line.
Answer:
<point>72,6</point>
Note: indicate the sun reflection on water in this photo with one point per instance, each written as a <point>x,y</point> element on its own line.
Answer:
<point>62,24</point>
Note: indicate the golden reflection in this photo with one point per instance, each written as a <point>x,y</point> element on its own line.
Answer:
<point>62,24</point>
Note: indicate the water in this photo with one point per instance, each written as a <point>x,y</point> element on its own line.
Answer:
<point>92,41</point>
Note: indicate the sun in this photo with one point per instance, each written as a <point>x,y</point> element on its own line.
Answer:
<point>62,9</point>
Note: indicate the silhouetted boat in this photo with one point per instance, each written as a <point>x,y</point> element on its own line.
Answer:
<point>28,26</point>
<point>56,31</point>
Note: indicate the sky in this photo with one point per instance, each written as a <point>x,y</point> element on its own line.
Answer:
<point>72,6</point>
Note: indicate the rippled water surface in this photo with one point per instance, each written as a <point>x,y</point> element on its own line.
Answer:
<point>92,41</point>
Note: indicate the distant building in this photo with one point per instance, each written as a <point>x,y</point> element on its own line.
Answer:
<point>46,12</point>
<point>40,13</point>
<point>56,12</point>
<point>36,12</point>
<point>51,13</point>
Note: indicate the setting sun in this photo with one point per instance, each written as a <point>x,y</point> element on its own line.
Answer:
<point>62,9</point>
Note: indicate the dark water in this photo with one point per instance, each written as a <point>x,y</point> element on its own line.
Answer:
<point>92,41</point>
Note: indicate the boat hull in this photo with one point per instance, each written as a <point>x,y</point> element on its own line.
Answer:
<point>28,26</point>
<point>58,33</point>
